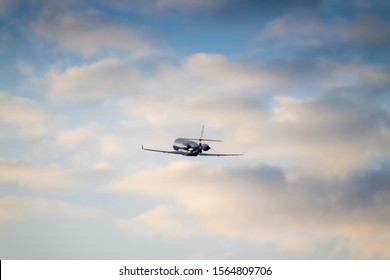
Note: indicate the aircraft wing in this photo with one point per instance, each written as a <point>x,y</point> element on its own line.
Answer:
<point>219,155</point>
<point>161,151</point>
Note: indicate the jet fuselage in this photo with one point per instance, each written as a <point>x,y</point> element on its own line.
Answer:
<point>187,147</point>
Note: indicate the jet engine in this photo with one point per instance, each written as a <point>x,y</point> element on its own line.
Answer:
<point>205,147</point>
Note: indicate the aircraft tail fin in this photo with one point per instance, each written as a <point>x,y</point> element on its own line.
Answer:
<point>201,134</point>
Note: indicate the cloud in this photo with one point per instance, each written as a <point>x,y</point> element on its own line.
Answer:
<point>93,82</point>
<point>110,145</point>
<point>335,130</point>
<point>339,74</point>
<point>289,31</point>
<point>198,74</point>
<point>203,76</point>
<point>204,84</point>
<point>31,175</point>
<point>7,6</point>
<point>189,4</point>
<point>73,138</point>
<point>14,208</point>
<point>163,219</point>
<point>329,135</point>
<point>25,115</point>
<point>19,110</point>
<point>90,33</point>
<point>89,140</point>
<point>28,175</point>
<point>213,71</point>
<point>218,9</point>
<point>370,187</point>
<point>200,77</point>
<point>360,30</point>
<point>314,125</point>
<point>83,173</point>
<point>301,217</point>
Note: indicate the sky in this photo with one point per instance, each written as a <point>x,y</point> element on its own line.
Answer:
<point>301,87</point>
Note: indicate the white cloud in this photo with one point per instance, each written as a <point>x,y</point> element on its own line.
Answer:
<point>93,82</point>
<point>90,33</point>
<point>73,138</point>
<point>82,173</point>
<point>160,220</point>
<point>21,208</point>
<point>20,110</point>
<point>218,73</point>
<point>28,175</point>
<point>205,86</point>
<point>110,145</point>
<point>102,165</point>
<point>213,73</point>
<point>24,114</point>
<point>90,141</point>
<point>198,76</point>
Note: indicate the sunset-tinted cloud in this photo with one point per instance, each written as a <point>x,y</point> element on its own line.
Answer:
<point>302,87</point>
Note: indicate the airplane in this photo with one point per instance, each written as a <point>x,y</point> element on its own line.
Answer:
<point>188,147</point>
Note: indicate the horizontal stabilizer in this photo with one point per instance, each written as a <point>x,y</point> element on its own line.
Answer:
<point>210,140</point>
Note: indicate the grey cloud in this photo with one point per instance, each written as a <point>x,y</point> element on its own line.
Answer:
<point>356,7</point>
<point>340,116</point>
<point>240,9</point>
<point>219,9</point>
<point>366,30</point>
<point>308,36</point>
<point>370,187</point>
<point>262,174</point>
<point>7,6</point>
<point>242,203</point>
<point>334,132</point>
